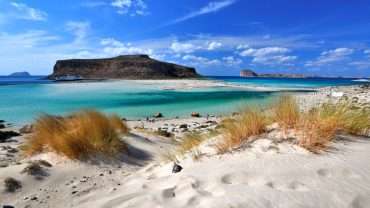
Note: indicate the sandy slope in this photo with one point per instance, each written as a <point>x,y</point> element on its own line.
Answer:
<point>258,177</point>
<point>266,174</point>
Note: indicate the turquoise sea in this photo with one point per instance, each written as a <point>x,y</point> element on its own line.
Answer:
<point>23,99</point>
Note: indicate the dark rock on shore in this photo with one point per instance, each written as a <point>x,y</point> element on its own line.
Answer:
<point>5,135</point>
<point>12,185</point>
<point>195,114</point>
<point>121,67</point>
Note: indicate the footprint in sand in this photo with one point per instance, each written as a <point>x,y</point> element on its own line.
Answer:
<point>235,178</point>
<point>360,202</point>
<point>292,186</point>
<point>324,172</point>
<point>193,201</point>
<point>169,193</point>
<point>297,186</point>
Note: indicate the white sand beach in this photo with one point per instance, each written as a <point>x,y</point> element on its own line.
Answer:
<point>270,172</point>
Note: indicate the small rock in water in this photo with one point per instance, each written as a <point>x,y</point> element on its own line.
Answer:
<point>176,168</point>
<point>158,115</point>
<point>195,114</point>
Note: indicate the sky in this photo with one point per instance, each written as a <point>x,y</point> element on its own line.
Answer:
<point>217,37</point>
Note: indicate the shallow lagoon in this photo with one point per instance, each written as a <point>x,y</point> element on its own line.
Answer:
<point>21,103</point>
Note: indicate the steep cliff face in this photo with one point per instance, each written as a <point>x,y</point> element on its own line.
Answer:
<point>121,67</point>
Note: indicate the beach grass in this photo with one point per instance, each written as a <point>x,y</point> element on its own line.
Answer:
<point>235,132</point>
<point>189,142</point>
<point>320,125</point>
<point>286,112</point>
<point>314,130</point>
<point>80,135</point>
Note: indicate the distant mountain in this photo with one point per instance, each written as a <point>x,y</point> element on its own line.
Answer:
<point>121,67</point>
<point>250,73</point>
<point>20,74</point>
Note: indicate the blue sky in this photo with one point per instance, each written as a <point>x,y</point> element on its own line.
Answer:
<point>218,37</point>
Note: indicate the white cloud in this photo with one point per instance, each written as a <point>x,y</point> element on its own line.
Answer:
<point>209,8</point>
<point>188,47</point>
<point>114,47</point>
<point>367,52</point>
<point>183,47</point>
<point>28,13</point>
<point>202,61</point>
<point>131,7</point>
<point>331,56</point>
<point>214,45</point>
<point>268,55</point>
<point>232,61</point>
<point>79,29</point>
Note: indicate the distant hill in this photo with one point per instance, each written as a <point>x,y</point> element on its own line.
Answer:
<point>19,74</point>
<point>120,67</point>
<point>250,73</point>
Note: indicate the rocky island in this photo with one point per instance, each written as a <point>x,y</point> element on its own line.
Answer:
<point>251,73</point>
<point>20,74</point>
<point>120,67</point>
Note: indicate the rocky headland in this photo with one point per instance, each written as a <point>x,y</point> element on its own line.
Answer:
<point>120,67</point>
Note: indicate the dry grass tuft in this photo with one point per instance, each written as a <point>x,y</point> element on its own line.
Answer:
<point>189,142</point>
<point>320,126</point>
<point>314,130</point>
<point>78,136</point>
<point>249,123</point>
<point>286,112</point>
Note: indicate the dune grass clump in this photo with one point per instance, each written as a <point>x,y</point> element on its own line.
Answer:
<point>320,125</point>
<point>251,122</point>
<point>78,136</point>
<point>286,112</point>
<point>189,142</point>
<point>314,130</point>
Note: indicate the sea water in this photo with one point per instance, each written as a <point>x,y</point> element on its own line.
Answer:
<point>23,99</point>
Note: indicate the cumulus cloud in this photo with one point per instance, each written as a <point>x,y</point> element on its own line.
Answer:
<point>209,8</point>
<point>28,13</point>
<point>187,47</point>
<point>183,47</point>
<point>214,45</point>
<point>114,47</point>
<point>331,56</point>
<point>267,55</point>
<point>202,61</point>
<point>131,7</point>
<point>232,61</point>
